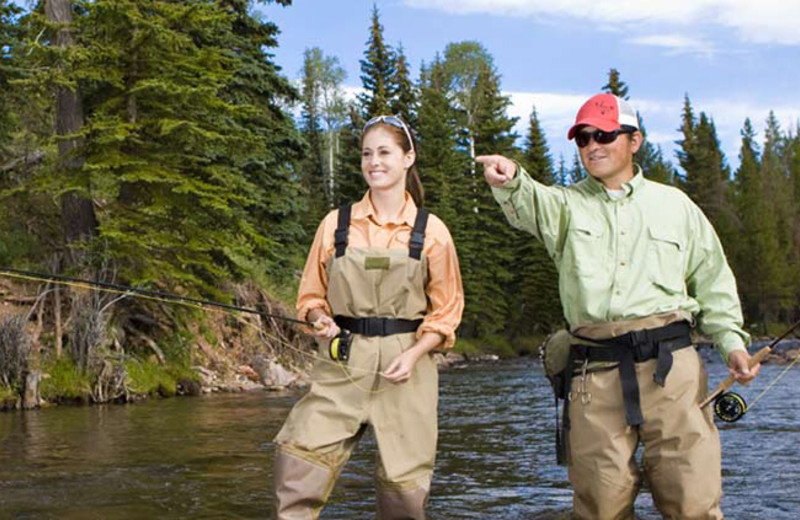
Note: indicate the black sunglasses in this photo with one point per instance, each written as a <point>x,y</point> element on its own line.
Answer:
<point>600,136</point>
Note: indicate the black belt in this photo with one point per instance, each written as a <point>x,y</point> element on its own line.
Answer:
<point>375,326</point>
<point>634,347</point>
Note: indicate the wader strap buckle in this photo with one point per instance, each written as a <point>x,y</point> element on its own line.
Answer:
<point>417,240</point>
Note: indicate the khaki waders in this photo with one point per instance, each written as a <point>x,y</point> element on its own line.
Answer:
<point>326,424</point>
<point>681,443</point>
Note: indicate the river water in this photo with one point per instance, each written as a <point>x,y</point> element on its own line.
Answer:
<point>210,457</point>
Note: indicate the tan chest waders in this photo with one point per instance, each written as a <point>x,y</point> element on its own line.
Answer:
<point>378,295</point>
<point>650,396</point>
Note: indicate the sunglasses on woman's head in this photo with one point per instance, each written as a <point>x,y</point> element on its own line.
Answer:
<point>582,138</point>
<point>393,121</point>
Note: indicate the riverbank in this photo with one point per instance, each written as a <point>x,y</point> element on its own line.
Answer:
<point>60,346</point>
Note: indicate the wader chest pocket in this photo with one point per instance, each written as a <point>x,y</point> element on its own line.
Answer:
<point>377,262</point>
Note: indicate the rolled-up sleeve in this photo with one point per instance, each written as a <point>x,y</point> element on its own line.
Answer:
<point>711,282</point>
<point>314,284</point>
<point>444,289</point>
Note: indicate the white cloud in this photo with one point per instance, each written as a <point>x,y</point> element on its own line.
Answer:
<point>676,43</point>
<point>762,21</point>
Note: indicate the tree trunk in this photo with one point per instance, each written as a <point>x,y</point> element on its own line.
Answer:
<point>78,220</point>
<point>30,394</point>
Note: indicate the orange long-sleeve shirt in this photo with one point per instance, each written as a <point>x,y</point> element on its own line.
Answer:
<point>444,290</point>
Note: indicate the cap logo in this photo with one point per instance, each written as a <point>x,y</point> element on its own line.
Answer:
<point>603,108</point>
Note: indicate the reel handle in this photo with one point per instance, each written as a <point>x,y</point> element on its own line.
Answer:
<point>730,380</point>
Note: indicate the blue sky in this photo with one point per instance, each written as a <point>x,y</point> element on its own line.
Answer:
<point>735,58</point>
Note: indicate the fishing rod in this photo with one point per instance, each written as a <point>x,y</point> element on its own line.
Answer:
<point>730,406</point>
<point>339,346</point>
<point>43,277</point>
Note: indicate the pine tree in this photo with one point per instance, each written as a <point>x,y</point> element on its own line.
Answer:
<point>404,101</point>
<point>562,176</point>
<point>686,145</point>
<point>487,129</point>
<point>186,143</point>
<point>536,154</point>
<point>258,89</point>
<point>377,70</point>
<point>756,260</point>
<point>78,218</point>
<point>778,191</point>
<point>535,306</point>
<point>441,164</point>
<point>350,185</point>
<point>9,35</point>
<point>615,85</point>
<point>793,161</point>
<point>576,173</point>
<point>649,157</point>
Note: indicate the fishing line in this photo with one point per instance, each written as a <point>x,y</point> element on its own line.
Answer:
<point>773,382</point>
<point>730,406</point>
<point>203,305</point>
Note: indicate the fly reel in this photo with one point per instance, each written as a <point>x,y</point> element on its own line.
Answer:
<point>339,348</point>
<point>730,407</point>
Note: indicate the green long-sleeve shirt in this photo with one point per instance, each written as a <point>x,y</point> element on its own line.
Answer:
<point>647,252</point>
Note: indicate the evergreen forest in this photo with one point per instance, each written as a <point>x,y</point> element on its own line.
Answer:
<point>156,143</point>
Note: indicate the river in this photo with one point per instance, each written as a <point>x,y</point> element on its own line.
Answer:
<point>210,457</point>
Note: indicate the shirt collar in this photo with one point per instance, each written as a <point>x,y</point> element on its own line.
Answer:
<point>630,187</point>
<point>364,209</point>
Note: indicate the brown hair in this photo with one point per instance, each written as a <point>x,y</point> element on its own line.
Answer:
<point>413,183</point>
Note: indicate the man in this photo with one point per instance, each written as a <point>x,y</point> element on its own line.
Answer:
<point>638,264</point>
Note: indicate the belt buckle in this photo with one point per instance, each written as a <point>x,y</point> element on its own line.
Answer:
<point>639,342</point>
<point>376,326</point>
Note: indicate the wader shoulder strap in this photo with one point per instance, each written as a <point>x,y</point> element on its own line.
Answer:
<point>418,234</point>
<point>342,229</point>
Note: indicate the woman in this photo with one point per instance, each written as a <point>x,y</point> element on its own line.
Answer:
<point>386,272</point>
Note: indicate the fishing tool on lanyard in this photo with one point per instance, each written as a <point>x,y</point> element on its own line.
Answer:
<point>730,406</point>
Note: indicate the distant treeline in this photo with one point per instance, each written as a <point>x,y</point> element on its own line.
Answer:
<point>158,137</point>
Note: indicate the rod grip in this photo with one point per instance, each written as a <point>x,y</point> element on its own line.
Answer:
<point>728,381</point>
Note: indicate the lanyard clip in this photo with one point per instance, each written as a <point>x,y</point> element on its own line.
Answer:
<point>586,397</point>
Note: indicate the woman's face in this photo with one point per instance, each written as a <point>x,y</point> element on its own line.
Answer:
<point>383,161</point>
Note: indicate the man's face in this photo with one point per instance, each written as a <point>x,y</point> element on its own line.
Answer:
<point>610,163</point>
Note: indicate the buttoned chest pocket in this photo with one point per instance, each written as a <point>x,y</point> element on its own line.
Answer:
<point>666,252</point>
<point>585,248</point>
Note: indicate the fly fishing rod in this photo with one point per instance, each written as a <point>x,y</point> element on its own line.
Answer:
<point>55,278</point>
<point>730,406</point>
<point>339,346</point>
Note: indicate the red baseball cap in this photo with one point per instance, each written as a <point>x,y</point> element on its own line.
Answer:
<point>606,112</point>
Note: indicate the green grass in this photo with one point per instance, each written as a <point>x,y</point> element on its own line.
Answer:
<point>66,381</point>
<point>152,379</point>
<point>8,397</point>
